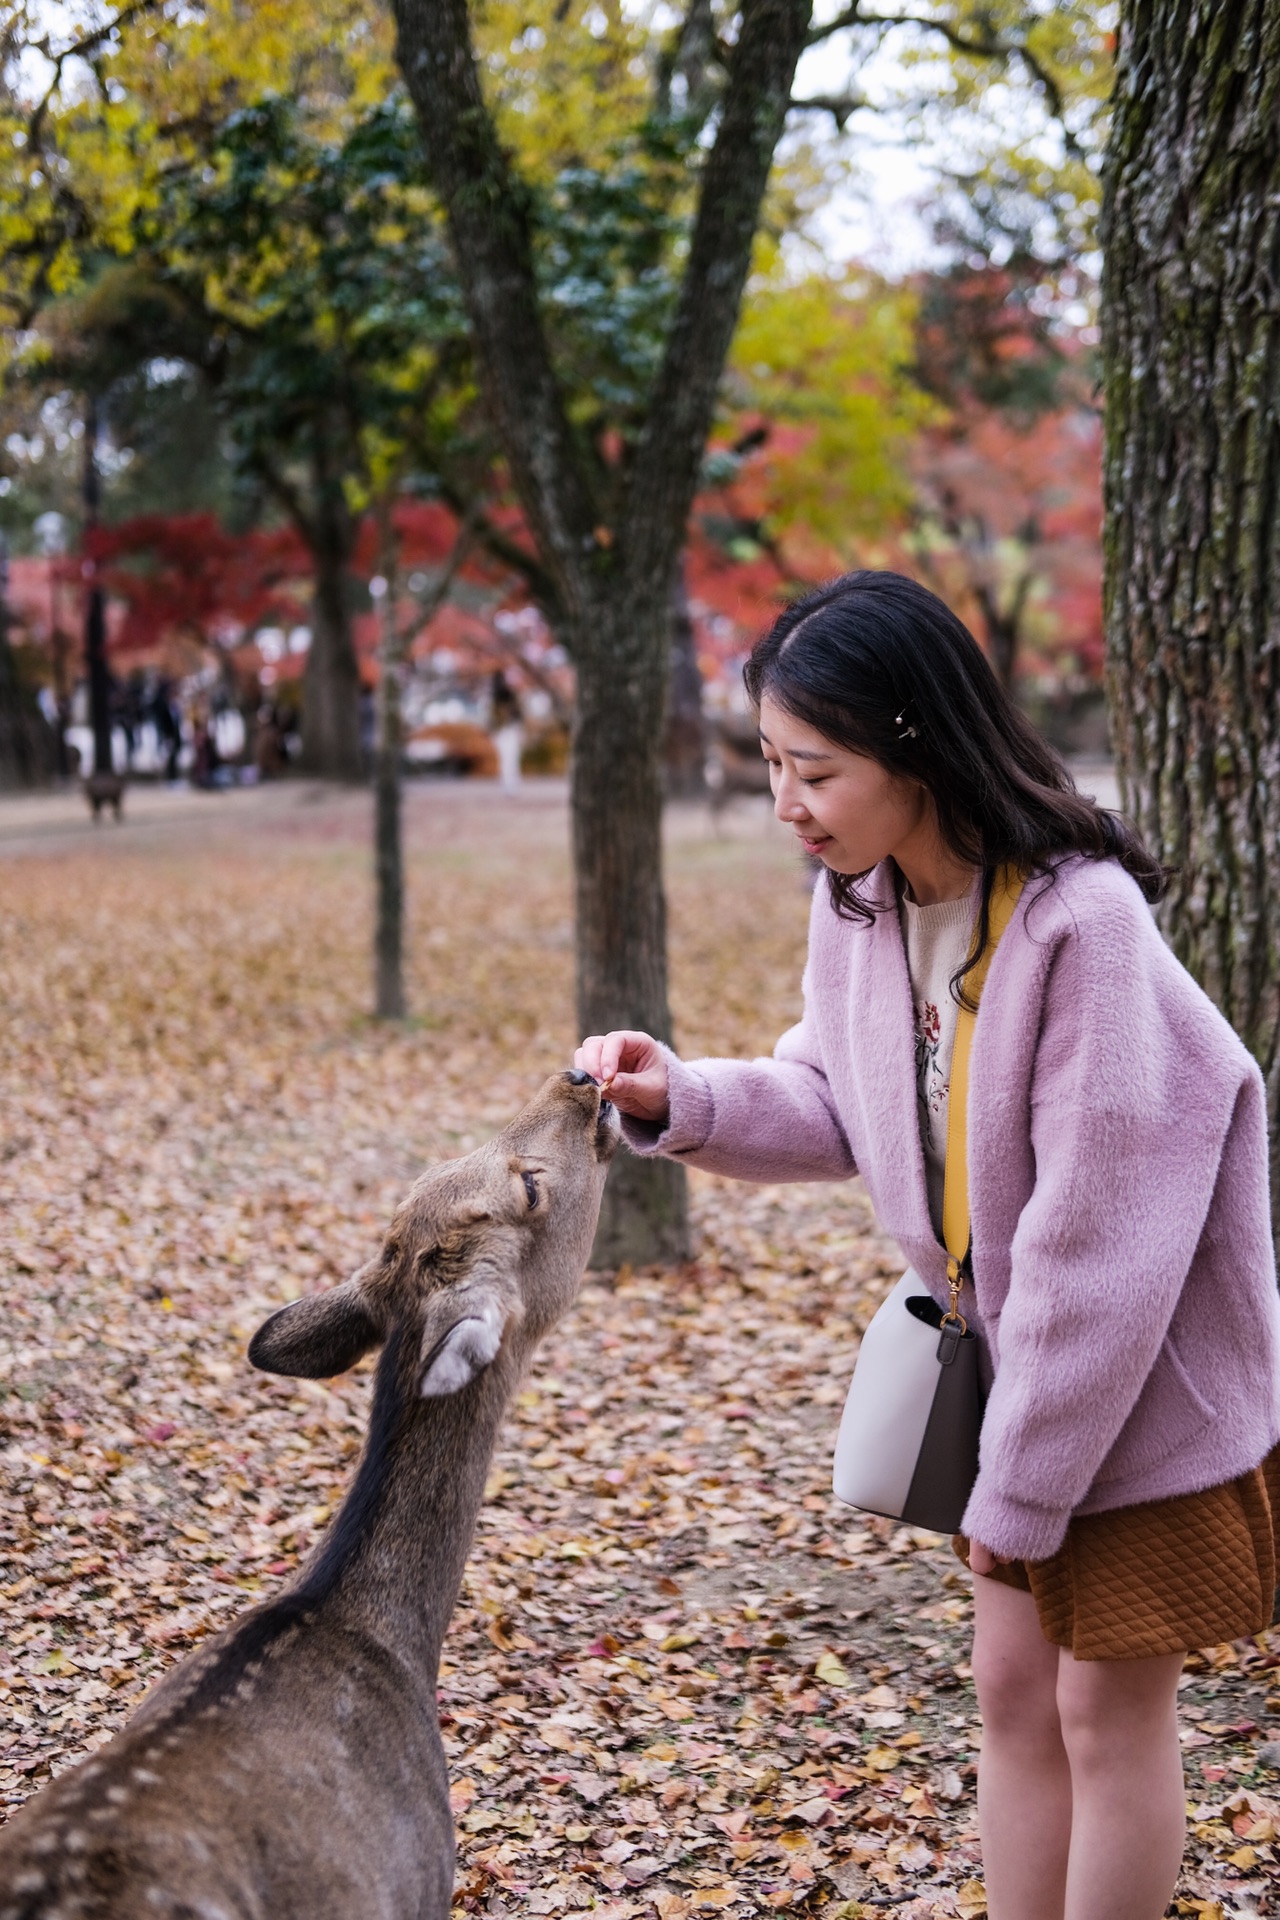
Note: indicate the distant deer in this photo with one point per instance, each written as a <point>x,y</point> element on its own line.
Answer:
<point>292,1768</point>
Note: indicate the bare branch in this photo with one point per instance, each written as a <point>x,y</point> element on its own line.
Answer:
<point>840,106</point>
<point>851,17</point>
<point>426,611</point>
<point>77,50</point>
<point>289,498</point>
<point>988,47</point>
<point>506,551</point>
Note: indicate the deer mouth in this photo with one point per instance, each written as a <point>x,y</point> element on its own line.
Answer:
<point>608,1130</point>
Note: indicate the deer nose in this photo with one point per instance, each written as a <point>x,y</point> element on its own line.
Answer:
<point>579,1077</point>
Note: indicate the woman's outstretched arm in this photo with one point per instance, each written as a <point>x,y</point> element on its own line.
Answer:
<point>763,1119</point>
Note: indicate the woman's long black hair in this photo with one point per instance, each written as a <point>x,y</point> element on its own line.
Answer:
<point>878,664</point>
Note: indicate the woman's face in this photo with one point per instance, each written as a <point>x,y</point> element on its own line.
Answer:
<point>844,807</point>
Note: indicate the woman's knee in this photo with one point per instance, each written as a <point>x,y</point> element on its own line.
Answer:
<point>1014,1667</point>
<point>1109,1708</point>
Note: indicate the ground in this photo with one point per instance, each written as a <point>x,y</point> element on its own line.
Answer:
<point>681,1679</point>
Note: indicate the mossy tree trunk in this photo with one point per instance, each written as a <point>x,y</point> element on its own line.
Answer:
<point>620,653</point>
<point>685,748</point>
<point>331,678</point>
<point>1191,340</point>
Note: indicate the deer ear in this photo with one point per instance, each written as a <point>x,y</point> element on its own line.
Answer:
<point>454,1356</point>
<point>317,1336</point>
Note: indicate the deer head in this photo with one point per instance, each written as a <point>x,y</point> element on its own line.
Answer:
<point>484,1250</point>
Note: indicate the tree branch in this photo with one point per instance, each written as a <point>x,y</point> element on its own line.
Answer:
<point>486,206</point>
<point>426,610</point>
<point>990,47</point>
<point>841,106</point>
<point>669,452</point>
<point>78,49</point>
<point>508,552</point>
<point>289,498</point>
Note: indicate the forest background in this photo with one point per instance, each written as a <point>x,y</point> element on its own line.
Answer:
<point>224,263</point>
<point>529,327</point>
<point>490,379</point>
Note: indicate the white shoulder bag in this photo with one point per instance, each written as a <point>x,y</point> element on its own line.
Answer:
<point>908,1441</point>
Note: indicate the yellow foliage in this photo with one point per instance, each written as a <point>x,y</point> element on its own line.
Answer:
<point>157,89</point>
<point>565,84</point>
<point>826,361</point>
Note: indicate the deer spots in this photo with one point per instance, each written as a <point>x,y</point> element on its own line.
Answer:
<point>117,1795</point>
<point>30,1880</point>
<point>145,1777</point>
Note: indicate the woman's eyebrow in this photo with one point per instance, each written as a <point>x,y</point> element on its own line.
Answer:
<point>798,753</point>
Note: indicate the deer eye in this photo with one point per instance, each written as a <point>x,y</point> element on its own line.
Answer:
<point>531,1189</point>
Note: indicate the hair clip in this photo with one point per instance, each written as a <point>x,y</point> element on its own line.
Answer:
<point>908,733</point>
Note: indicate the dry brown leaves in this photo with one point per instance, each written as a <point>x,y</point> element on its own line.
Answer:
<point>681,1680</point>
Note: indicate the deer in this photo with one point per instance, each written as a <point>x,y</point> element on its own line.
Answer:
<point>292,1768</point>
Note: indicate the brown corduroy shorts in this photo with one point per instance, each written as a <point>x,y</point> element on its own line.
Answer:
<point>1164,1577</point>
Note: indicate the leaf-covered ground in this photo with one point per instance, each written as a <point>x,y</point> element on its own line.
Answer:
<point>681,1680</point>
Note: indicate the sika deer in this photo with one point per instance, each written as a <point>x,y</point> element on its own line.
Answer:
<point>292,1768</point>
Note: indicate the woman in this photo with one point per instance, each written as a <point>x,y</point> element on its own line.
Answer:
<point>1123,1278</point>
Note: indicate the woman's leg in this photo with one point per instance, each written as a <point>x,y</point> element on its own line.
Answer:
<point>1120,1727</point>
<point>1024,1781</point>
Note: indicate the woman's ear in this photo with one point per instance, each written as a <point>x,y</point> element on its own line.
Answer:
<point>319,1335</point>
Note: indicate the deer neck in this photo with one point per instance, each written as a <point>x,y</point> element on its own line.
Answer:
<point>392,1562</point>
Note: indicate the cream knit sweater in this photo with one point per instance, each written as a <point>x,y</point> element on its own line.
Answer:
<point>937,940</point>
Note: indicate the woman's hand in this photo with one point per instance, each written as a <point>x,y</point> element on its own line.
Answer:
<point>982,1560</point>
<point>634,1064</point>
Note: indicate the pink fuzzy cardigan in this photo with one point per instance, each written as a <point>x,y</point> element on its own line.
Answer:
<point>1124,1272</point>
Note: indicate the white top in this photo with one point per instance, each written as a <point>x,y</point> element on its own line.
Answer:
<point>937,941</point>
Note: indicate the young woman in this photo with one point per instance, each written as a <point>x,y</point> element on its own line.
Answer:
<point>1123,1278</point>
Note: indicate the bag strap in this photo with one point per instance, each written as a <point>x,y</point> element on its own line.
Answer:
<point>956,1230</point>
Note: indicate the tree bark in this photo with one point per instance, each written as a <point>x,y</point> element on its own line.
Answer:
<point>1191,341</point>
<point>95,615</point>
<point>331,680</point>
<point>685,749</point>
<point>28,754</point>
<point>612,577</point>
<point>616,798</point>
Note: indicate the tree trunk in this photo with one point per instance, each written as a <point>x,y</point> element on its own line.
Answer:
<point>389,1002</point>
<point>331,682</point>
<point>616,783</point>
<point>1191,340</point>
<point>685,751</point>
<point>599,558</point>
<point>95,615</point>
<point>27,750</point>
